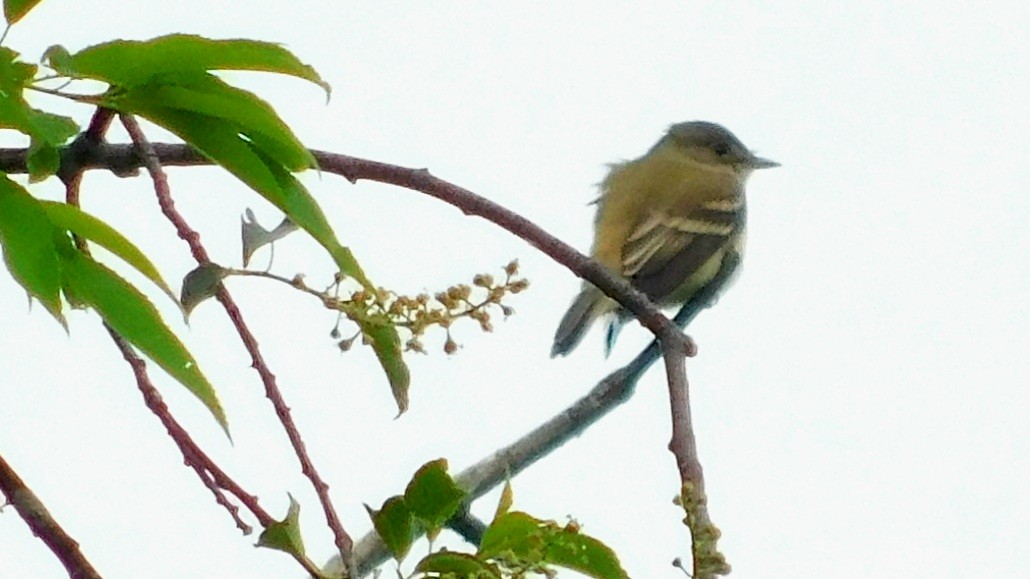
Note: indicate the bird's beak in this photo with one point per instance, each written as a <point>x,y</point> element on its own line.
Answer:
<point>760,163</point>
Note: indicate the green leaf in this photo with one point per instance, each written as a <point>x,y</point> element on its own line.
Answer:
<point>459,565</point>
<point>14,74</point>
<point>514,534</point>
<point>42,161</point>
<point>200,284</point>
<point>519,537</point>
<point>395,526</point>
<point>84,225</point>
<point>386,344</point>
<point>27,238</point>
<point>165,81</point>
<point>202,93</point>
<point>285,535</point>
<point>220,140</point>
<point>432,495</point>
<point>44,128</point>
<point>130,314</point>
<point>51,129</point>
<point>14,10</point>
<point>47,131</point>
<point>131,62</point>
<point>296,202</point>
<point>573,550</point>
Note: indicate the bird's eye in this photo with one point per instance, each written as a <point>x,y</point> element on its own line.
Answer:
<point>721,149</point>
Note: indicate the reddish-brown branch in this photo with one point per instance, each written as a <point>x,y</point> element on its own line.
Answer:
<point>99,123</point>
<point>43,525</point>
<point>214,477</point>
<point>674,344</point>
<point>152,162</point>
<point>124,158</point>
<point>421,180</point>
<point>708,562</point>
<point>683,445</point>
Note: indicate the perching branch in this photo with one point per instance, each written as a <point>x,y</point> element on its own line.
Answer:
<point>124,158</point>
<point>611,391</point>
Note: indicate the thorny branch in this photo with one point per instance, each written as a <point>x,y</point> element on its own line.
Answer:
<point>151,161</point>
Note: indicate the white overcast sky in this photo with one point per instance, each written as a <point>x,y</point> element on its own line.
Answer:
<point>860,396</point>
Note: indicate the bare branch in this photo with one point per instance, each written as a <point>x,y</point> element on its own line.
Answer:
<point>153,164</point>
<point>209,472</point>
<point>708,561</point>
<point>43,524</point>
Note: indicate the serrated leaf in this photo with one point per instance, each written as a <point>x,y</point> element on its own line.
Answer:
<point>297,203</point>
<point>220,141</point>
<point>458,565</point>
<point>132,315</point>
<point>44,128</point>
<point>48,132</point>
<point>574,550</point>
<point>395,526</point>
<point>131,62</point>
<point>14,10</point>
<point>284,535</point>
<point>514,534</point>
<point>200,284</point>
<point>530,541</point>
<point>84,225</point>
<point>432,495</point>
<point>27,238</point>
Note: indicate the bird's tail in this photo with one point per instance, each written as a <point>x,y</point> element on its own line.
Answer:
<point>590,304</point>
<point>612,333</point>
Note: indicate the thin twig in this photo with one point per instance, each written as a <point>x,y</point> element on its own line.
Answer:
<point>152,162</point>
<point>213,476</point>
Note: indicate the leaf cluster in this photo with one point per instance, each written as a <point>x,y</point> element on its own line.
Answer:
<point>514,545</point>
<point>170,81</point>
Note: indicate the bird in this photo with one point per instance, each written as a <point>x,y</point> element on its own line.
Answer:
<point>672,223</point>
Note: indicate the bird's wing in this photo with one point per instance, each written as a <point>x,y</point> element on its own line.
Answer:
<point>669,246</point>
